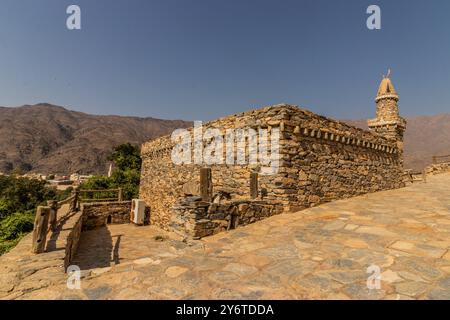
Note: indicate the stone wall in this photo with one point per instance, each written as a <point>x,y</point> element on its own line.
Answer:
<point>438,168</point>
<point>320,160</point>
<point>328,160</point>
<point>73,230</point>
<point>193,218</point>
<point>163,182</point>
<point>96,214</point>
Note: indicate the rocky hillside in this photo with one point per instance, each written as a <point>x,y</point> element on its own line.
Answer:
<point>425,136</point>
<point>50,139</point>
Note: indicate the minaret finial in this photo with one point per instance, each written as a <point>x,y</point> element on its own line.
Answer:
<point>389,73</point>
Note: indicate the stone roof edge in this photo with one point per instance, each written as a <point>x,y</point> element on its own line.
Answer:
<point>294,108</point>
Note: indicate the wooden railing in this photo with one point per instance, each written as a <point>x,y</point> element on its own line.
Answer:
<point>46,219</point>
<point>441,159</point>
<point>414,176</point>
<point>104,195</point>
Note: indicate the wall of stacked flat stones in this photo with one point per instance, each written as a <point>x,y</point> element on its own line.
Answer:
<point>162,181</point>
<point>195,219</point>
<point>96,214</point>
<point>162,184</point>
<point>438,168</point>
<point>163,189</point>
<point>327,160</point>
<point>321,160</point>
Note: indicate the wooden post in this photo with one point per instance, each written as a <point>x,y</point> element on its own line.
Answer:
<point>53,214</point>
<point>205,184</point>
<point>424,175</point>
<point>74,202</point>
<point>40,229</point>
<point>120,195</point>
<point>254,185</point>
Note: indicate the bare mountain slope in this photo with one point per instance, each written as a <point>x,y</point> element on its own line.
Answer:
<point>425,137</point>
<point>50,139</point>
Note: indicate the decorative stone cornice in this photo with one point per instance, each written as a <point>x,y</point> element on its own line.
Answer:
<point>387,96</point>
<point>362,142</point>
<point>380,123</point>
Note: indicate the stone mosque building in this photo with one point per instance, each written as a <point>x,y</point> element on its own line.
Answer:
<point>320,160</point>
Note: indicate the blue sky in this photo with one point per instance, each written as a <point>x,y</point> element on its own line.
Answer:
<point>201,59</point>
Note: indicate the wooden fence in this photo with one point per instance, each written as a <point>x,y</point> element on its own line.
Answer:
<point>104,195</point>
<point>46,219</point>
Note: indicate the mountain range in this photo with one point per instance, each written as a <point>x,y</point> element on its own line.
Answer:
<point>51,139</point>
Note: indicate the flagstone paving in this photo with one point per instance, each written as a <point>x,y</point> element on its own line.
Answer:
<point>319,253</point>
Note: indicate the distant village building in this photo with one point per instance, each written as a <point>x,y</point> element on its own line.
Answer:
<point>75,177</point>
<point>37,176</point>
<point>78,178</point>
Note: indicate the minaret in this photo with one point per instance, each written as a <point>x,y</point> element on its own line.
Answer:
<point>388,122</point>
<point>110,170</point>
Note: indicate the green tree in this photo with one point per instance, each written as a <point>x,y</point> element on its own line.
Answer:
<point>126,157</point>
<point>126,173</point>
<point>127,169</point>
<point>98,183</point>
<point>24,194</point>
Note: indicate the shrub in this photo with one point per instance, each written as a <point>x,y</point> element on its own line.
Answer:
<point>5,208</point>
<point>15,225</point>
<point>19,198</point>
<point>23,193</point>
<point>5,246</point>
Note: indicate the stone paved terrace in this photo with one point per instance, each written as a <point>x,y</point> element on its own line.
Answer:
<point>21,271</point>
<point>319,253</point>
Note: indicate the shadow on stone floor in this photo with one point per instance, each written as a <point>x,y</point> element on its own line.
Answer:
<point>54,235</point>
<point>116,257</point>
<point>96,249</point>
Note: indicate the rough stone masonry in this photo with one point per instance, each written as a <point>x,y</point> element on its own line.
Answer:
<point>320,160</point>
